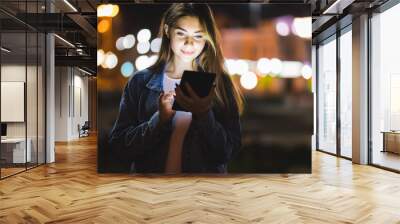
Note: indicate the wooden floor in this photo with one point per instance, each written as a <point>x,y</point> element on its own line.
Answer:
<point>387,159</point>
<point>9,171</point>
<point>70,191</point>
<point>5,172</point>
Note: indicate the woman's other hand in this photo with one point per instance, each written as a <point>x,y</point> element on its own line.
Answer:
<point>165,102</point>
<point>199,106</point>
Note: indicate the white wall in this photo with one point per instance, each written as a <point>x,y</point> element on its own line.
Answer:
<point>61,103</point>
<point>13,73</point>
<point>33,126</point>
<point>71,94</point>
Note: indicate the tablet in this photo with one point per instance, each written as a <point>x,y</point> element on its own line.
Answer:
<point>201,83</point>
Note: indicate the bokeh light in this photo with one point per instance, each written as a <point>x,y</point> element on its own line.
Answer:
<point>155,45</point>
<point>103,26</point>
<point>120,44</point>
<point>282,28</point>
<point>142,62</point>
<point>248,80</point>
<point>143,47</point>
<point>127,69</point>
<point>115,10</point>
<point>241,67</point>
<point>153,59</point>
<point>100,57</point>
<point>302,27</point>
<point>144,35</point>
<point>264,66</point>
<point>230,66</point>
<point>107,10</point>
<point>291,69</point>
<point>306,71</point>
<point>111,60</point>
<point>276,66</point>
<point>129,41</point>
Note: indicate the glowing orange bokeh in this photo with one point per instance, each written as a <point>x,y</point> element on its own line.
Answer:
<point>103,26</point>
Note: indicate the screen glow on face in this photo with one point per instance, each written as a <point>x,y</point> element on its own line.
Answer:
<point>187,38</point>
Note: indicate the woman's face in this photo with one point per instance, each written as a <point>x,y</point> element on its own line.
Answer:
<point>187,38</point>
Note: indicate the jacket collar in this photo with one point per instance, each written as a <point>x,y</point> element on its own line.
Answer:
<point>156,81</point>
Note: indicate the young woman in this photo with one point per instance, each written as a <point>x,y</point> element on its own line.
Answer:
<point>158,139</point>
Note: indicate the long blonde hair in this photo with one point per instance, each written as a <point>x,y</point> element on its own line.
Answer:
<point>210,59</point>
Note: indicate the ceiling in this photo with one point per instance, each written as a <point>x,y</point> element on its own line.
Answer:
<point>326,14</point>
<point>76,25</point>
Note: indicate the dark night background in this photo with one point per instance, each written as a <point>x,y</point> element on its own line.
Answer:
<point>277,123</point>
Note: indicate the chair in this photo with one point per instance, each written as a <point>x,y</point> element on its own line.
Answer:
<point>84,130</point>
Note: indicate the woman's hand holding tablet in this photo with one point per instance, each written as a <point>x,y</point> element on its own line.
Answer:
<point>195,92</point>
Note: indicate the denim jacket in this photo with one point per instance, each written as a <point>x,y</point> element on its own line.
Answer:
<point>208,146</point>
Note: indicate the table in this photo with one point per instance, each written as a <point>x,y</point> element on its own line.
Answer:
<point>391,141</point>
<point>13,150</point>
